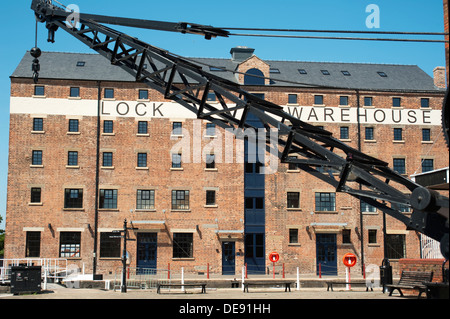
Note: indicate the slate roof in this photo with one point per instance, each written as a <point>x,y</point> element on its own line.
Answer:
<point>60,65</point>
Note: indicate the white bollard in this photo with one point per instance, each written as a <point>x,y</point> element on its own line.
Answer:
<point>243,278</point>
<point>298,279</point>
<point>182,278</point>
<point>347,278</point>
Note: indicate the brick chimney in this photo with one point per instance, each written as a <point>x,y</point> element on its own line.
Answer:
<point>439,77</point>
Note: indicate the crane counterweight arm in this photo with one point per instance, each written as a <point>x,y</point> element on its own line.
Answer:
<point>45,9</point>
<point>317,151</point>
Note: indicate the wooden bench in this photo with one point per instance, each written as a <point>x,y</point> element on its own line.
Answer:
<point>412,280</point>
<point>202,285</point>
<point>331,283</point>
<point>287,284</point>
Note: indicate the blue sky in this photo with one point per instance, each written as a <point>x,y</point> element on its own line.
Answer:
<point>18,25</point>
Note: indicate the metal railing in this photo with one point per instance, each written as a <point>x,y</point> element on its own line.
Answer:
<point>141,278</point>
<point>55,268</point>
<point>430,248</point>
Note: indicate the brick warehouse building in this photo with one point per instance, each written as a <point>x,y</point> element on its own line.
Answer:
<point>89,126</point>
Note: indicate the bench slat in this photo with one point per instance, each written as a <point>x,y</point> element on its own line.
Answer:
<point>287,284</point>
<point>411,280</point>
<point>202,285</point>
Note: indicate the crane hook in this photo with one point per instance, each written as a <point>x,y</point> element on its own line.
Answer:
<point>35,53</point>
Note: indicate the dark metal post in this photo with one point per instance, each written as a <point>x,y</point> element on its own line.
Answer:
<point>361,222</point>
<point>97,173</point>
<point>124,258</point>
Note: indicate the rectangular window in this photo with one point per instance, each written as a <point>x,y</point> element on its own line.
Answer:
<point>372,236</point>
<point>108,126</point>
<point>424,102</point>
<point>183,245</point>
<point>35,195</point>
<point>318,99</point>
<point>107,159</point>
<point>401,208</point>
<point>325,72</point>
<point>74,125</point>
<point>145,199</point>
<point>344,133</point>
<point>426,135</point>
<point>274,71</point>
<point>217,69</point>
<point>399,165</point>
<point>73,198</point>
<point>211,97</point>
<point>395,246</point>
<point>369,136</point>
<point>210,197</point>
<point>177,128</point>
<point>396,102</point>
<point>70,244</point>
<point>142,160</point>
<point>36,158</point>
<point>210,161</point>
<point>254,202</point>
<point>143,95</point>
<point>346,236</point>
<point>302,71</point>
<point>142,127</point>
<point>398,134</point>
<point>248,203</point>
<point>259,202</point>
<point>180,199</point>
<point>367,208</point>
<point>109,247</point>
<point>39,90</point>
<point>210,129</point>
<point>292,98</point>
<point>108,198</point>
<point>72,158</point>
<point>292,166</point>
<point>254,245</point>
<point>343,100</point>
<point>367,101</point>
<point>346,73</point>
<point>108,94</point>
<point>293,236</point>
<point>176,160</point>
<point>33,244</point>
<point>427,165</point>
<point>293,200</point>
<point>325,202</point>
<point>74,92</point>
<point>38,124</point>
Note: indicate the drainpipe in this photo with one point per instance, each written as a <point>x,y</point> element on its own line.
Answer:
<point>361,224</point>
<point>97,172</point>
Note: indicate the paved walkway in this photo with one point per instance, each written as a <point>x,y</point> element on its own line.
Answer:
<point>55,291</point>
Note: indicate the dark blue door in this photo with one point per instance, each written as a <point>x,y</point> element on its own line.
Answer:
<point>228,258</point>
<point>326,251</point>
<point>146,250</point>
<point>254,253</point>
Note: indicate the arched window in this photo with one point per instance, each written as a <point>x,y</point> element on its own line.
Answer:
<point>254,77</point>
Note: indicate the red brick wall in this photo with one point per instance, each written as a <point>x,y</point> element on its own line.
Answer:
<point>434,265</point>
<point>228,178</point>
